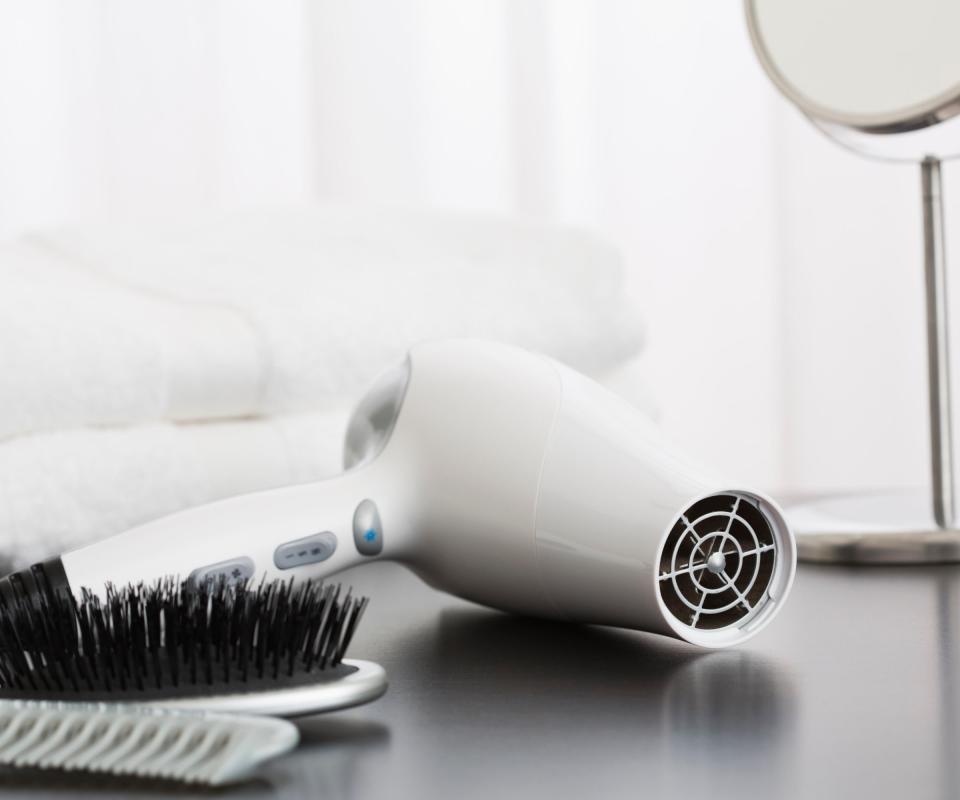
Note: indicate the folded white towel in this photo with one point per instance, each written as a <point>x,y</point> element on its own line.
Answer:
<point>60,490</point>
<point>274,311</point>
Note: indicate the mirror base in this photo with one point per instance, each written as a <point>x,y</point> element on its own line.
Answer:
<point>877,528</point>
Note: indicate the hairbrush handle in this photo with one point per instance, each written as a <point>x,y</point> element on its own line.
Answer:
<point>307,531</point>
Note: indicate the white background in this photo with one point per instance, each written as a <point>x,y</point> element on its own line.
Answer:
<point>780,276</point>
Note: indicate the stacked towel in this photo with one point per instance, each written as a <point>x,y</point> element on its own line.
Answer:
<point>147,368</point>
<point>282,310</point>
<point>62,489</point>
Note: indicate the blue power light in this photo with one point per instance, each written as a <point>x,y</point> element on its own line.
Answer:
<point>367,529</point>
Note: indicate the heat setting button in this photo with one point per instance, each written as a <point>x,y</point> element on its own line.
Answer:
<point>309,550</point>
<point>236,570</point>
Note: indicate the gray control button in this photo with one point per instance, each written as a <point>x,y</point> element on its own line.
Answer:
<point>234,570</point>
<point>367,530</point>
<point>309,550</point>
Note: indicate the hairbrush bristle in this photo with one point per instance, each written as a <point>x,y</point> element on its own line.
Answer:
<point>173,639</point>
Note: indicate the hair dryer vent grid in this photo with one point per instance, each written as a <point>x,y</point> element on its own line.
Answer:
<point>718,562</point>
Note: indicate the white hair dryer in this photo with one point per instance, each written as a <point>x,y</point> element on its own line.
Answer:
<point>505,478</point>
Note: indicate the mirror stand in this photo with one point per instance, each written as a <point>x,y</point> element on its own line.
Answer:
<point>938,344</point>
<point>903,527</point>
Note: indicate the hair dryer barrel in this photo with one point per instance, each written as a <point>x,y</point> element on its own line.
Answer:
<point>541,492</point>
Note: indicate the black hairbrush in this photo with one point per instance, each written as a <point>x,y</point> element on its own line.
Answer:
<point>270,648</point>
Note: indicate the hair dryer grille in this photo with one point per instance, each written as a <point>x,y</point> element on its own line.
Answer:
<point>717,563</point>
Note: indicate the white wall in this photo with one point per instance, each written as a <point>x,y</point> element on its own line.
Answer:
<point>851,254</point>
<point>119,105</point>
<point>779,275</point>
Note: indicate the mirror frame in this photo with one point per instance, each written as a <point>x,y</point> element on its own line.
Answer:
<point>921,115</point>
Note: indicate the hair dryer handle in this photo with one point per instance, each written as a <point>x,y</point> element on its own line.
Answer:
<point>308,531</point>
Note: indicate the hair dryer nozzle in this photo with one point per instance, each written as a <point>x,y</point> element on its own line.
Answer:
<point>724,567</point>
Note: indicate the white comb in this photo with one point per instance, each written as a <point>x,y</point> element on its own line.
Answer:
<point>189,746</point>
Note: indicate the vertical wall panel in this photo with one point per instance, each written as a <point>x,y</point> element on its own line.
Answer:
<point>264,74</point>
<point>687,191</point>
<point>365,98</point>
<point>855,394</point>
<point>34,125</point>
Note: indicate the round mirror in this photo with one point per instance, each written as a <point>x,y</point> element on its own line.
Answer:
<point>880,65</point>
<point>883,78</point>
<point>864,67</point>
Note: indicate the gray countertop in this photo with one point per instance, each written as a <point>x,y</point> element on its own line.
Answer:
<point>851,692</point>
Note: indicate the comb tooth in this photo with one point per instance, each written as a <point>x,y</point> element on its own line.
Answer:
<point>338,645</point>
<point>358,608</point>
<point>47,729</point>
<point>35,733</point>
<point>205,738</point>
<point>18,725</point>
<point>92,741</point>
<point>183,737</point>
<point>77,736</point>
<point>127,739</point>
<point>65,728</point>
<point>262,622</point>
<point>100,742</point>
<point>152,741</point>
<point>327,612</point>
<point>175,739</point>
